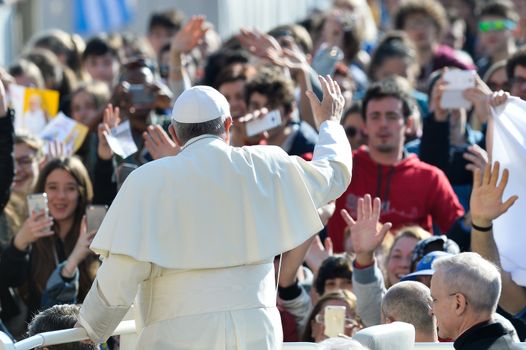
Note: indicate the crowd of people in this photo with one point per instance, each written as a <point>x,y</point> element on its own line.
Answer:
<point>410,239</point>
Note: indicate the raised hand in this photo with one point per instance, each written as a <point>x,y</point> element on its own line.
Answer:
<point>480,96</point>
<point>498,98</point>
<point>158,143</point>
<point>239,132</point>
<point>80,251</point>
<point>439,113</point>
<point>189,36</point>
<point>477,157</point>
<point>260,44</point>
<point>486,198</point>
<point>294,60</point>
<point>318,252</point>
<point>57,149</point>
<point>111,118</point>
<point>38,225</point>
<point>331,107</point>
<point>367,233</point>
<point>6,79</point>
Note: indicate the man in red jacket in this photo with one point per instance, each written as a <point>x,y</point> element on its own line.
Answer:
<point>412,192</point>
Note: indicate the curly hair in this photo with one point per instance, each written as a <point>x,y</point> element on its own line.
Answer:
<point>273,85</point>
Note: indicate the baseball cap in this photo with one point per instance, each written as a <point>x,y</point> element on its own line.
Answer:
<point>200,104</point>
<point>441,243</point>
<point>423,268</point>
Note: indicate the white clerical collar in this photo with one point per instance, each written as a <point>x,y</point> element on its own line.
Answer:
<point>200,137</point>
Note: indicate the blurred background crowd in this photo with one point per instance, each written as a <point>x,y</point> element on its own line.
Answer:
<point>91,102</point>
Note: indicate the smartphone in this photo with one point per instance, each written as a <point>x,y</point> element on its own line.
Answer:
<point>324,61</point>
<point>457,81</point>
<point>140,95</point>
<point>122,172</point>
<point>271,120</point>
<point>36,202</point>
<point>334,320</point>
<point>94,216</point>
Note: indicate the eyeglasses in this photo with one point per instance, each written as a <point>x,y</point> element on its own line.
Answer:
<point>498,25</point>
<point>348,322</point>
<point>24,162</point>
<point>496,86</point>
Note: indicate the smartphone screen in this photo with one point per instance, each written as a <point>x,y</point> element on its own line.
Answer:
<point>271,120</point>
<point>122,172</point>
<point>457,81</point>
<point>334,320</point>
<point>36,202</point>
<point>94,216</point>
<point>140,95</point>
<point>325,59</point>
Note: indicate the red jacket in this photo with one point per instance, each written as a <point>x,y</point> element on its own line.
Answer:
<point>412,193</point>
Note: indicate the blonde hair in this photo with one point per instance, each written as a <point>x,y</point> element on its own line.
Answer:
<point>415,232</point>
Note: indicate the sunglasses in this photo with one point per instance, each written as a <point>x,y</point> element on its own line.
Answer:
<point>496,86</point>
<point>497,25</point>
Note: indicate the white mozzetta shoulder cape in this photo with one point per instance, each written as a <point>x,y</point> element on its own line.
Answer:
<point>214,205</point>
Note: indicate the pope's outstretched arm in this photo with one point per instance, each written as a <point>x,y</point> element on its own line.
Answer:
<point>328,175</point>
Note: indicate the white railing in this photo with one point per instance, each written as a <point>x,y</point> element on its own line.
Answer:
<point>126,330</point>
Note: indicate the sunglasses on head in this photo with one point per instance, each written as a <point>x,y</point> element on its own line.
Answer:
<point>497,25</point>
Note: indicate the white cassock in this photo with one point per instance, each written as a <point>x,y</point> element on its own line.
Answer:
<point>192,238</point>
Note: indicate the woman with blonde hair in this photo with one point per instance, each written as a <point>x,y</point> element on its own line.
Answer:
<point>399,258</point>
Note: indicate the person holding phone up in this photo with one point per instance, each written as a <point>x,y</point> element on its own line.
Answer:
<point>49,258</point>
<point>448,141</point>
<point>138,95</point>
<point>270,94</point>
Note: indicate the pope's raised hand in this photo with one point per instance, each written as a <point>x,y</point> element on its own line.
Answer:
<point>331,106</point>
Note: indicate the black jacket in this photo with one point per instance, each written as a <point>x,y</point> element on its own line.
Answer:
<point>7,169</point>
<point>485,336</point>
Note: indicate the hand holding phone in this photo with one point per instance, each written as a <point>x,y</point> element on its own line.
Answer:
<point>325,60</point>
<point>456,82</point>
<point>334,320</point>
<point>258,125</point>
<point>141,95</point>
<point>37,225</point>
<point>94,216</point>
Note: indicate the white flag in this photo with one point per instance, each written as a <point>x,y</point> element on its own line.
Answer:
<point>509,148</point>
